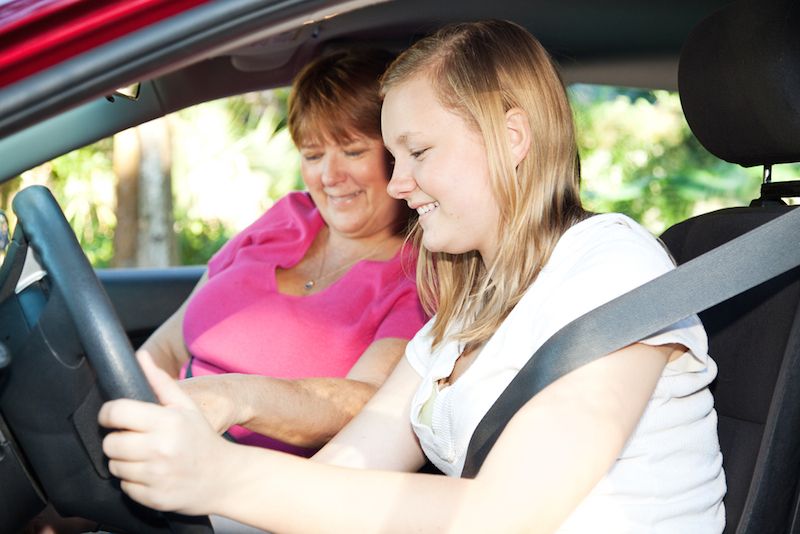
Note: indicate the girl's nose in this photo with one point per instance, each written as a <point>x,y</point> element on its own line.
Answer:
<point>401,184</point>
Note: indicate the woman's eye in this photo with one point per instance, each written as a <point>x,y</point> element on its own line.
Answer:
<point>354,153</point>
<point>312,157</point>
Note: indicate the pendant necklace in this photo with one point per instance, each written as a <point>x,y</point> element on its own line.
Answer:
<point>312,282</point>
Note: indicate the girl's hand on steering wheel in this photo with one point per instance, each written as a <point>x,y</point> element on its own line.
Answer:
<point>167,455</point>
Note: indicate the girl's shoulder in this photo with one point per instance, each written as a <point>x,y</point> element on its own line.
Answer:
<point>610,240</point>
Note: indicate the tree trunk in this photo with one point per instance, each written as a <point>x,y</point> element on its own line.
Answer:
<point>126,157</point>
<point>144,235</point>
<point>157,243</point>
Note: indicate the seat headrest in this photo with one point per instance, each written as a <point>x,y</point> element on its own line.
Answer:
<point>739,82</point>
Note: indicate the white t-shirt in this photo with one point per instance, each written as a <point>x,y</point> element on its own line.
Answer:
<point>669,476</point>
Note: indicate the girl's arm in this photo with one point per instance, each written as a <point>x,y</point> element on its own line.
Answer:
<point>380,436</point>
<point>550,456</point>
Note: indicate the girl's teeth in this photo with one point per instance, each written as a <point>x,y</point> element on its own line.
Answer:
<point>422,210</point>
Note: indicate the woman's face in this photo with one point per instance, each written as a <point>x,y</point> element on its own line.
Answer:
<point>441,170</point>
<point>348,184</point>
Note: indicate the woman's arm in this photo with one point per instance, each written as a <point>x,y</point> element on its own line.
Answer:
<point>170,450</point>
<point>166,345</point>
<point>380,436</point>
<point>305,412</point>
<point>550,456</point>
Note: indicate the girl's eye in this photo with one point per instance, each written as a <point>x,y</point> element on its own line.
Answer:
<point>312,157</point>
<point>354,153</point>
<point>416,154</point>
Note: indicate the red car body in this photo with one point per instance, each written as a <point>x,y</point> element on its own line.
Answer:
<point>37,34</point>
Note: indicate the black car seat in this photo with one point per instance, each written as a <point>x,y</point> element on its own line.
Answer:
<point>739,81</point>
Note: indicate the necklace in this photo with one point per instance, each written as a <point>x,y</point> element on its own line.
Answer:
<point>312,282</point>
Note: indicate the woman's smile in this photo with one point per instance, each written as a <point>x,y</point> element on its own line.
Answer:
<point>343,199</point>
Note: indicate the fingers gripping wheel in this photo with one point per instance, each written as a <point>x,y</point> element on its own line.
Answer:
<point>68,353</point>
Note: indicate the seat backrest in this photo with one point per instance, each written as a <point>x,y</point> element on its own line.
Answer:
<point>755,340</point>
<point>739,81</point>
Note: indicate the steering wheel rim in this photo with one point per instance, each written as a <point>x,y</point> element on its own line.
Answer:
<point>107,346</point>
<point>45,230</point>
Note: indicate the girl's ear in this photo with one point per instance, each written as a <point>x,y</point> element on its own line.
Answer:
<point>519,133</point>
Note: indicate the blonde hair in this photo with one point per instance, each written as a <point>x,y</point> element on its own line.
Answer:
<point>481,70</point>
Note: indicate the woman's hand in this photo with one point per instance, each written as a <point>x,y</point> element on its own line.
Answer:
<point>168,457</point>
<point>217,398</point>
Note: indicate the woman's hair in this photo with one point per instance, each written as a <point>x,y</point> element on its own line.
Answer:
<point>338,96</point>
<point>481,70</point>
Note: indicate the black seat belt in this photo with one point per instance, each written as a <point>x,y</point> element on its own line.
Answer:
<point>724,272</point>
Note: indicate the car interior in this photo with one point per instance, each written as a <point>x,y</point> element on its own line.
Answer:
<point>67,332</point>
<point>740,92</point>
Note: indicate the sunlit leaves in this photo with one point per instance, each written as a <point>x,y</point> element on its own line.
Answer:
<point>233,158</point>
<point>639,157</point>
<point>83,183</point>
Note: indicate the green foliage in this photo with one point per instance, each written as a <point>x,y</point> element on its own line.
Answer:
<point>248,112</point>
<point>232,158</point>
<point>198,240</point>
<point>83,183</point>
<point>639,157</point>
<point>259,122</point>
<point>7,191</point>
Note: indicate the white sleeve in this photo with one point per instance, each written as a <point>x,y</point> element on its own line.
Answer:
<point>615,260</point>
<point>418,350</point>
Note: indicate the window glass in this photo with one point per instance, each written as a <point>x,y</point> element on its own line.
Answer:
<point>639,157</point>
<point>172,191</point>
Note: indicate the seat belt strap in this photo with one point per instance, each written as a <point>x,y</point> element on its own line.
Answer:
<point>724,272</point>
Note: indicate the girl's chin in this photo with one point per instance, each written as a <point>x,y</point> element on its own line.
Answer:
<point>436,245</point>
<point>439,245</point>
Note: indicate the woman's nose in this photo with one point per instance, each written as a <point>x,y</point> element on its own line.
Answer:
<point>401,184</point>
<point>332,170</point>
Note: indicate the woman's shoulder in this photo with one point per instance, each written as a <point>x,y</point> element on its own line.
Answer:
<point>284,230</point>
<point>298,200</point>
<point>293,205</point>
<point>295,209</point>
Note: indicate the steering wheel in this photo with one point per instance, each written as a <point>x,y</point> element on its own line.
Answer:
<point>68,354</point>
